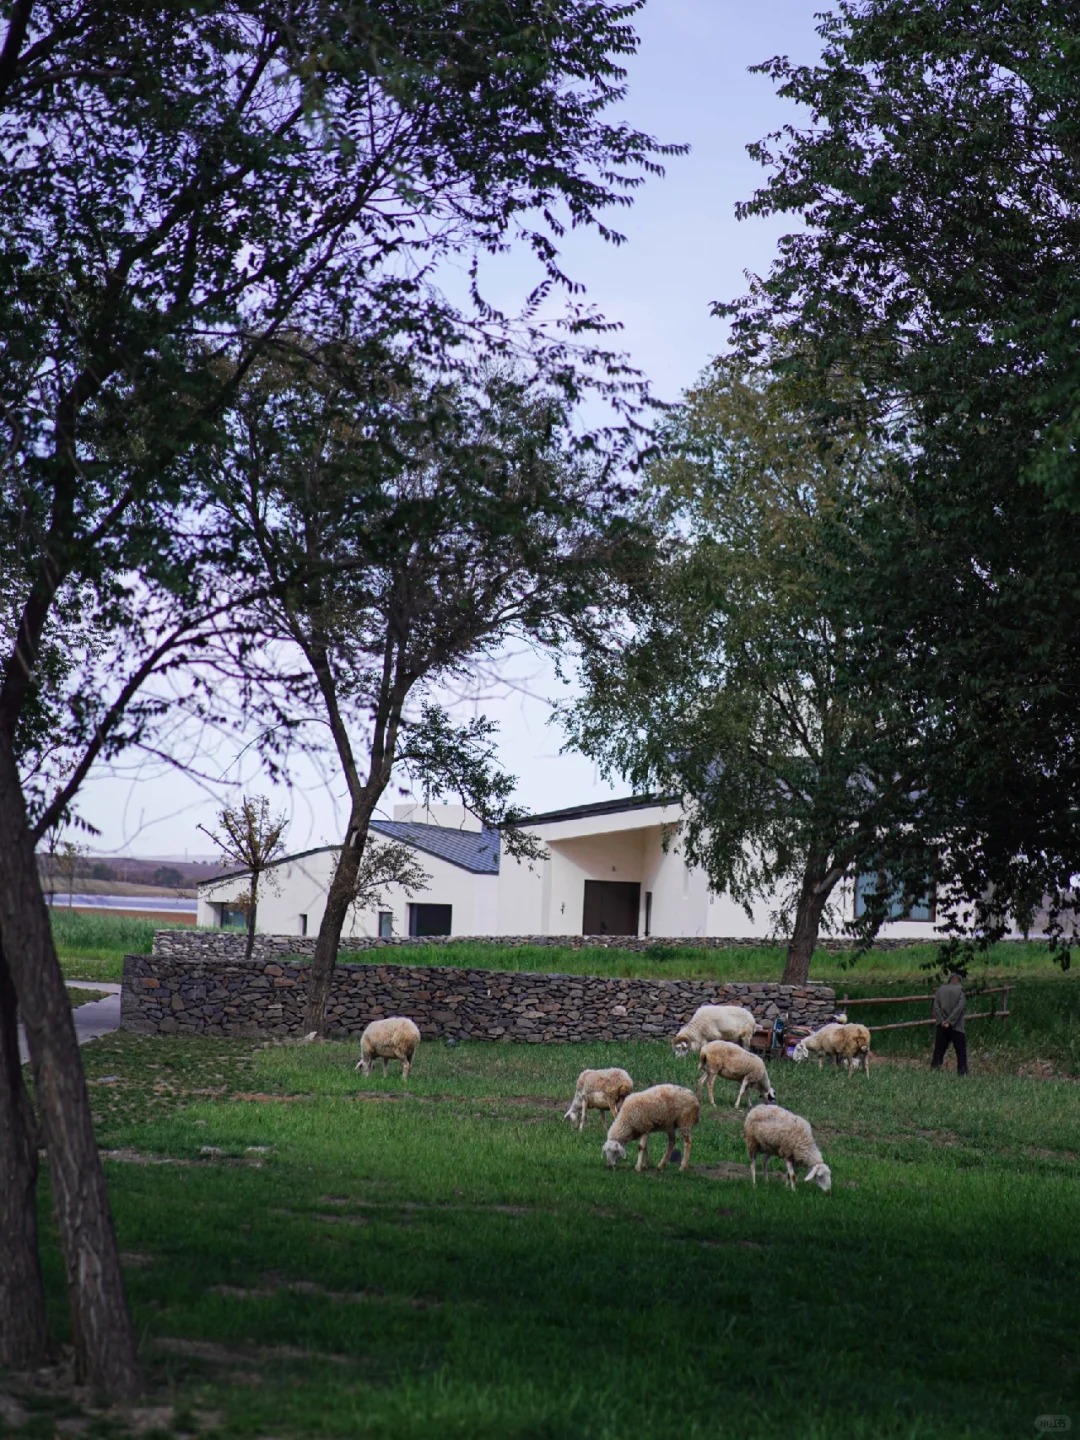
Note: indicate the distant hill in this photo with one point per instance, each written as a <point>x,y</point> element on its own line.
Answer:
<point>126,875</point>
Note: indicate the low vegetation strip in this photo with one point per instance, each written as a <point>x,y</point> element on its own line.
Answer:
<point>330,1254</point>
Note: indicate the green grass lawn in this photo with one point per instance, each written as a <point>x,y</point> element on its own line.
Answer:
<point>313,1253</point>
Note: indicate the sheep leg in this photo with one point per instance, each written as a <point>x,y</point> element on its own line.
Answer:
<point>742,1088</point>
<point>688,1140</point>
<point>385,1065</point>
<point>790,1174</point>
<point>406,1066</point>
<point>642,1153</point>
<point>668,1149</point>
<point>866,1064</point>
<point>765,1158</point>
<point>751,1151</point>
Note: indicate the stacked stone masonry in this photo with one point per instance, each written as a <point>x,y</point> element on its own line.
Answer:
<point>212,990</point>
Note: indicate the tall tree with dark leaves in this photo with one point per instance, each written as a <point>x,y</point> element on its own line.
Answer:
<point>731,687</point>
<point>404,535</point>
<point>939,185</point>
<point>179,185</point>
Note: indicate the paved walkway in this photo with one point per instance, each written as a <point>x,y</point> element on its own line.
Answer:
<point>96,1017</point>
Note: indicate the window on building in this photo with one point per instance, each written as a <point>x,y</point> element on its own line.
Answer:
<point>386,924</point>
<point>233,917</point>
<point>901,906</point>
<point>303,924</point>
<point>648,912</point>
<point>429,919</point>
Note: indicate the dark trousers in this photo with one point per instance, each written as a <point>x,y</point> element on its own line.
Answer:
<point>943,1038</point>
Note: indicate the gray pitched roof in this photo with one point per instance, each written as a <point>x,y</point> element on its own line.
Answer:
<point>599,807</point>
<point>474,850</point>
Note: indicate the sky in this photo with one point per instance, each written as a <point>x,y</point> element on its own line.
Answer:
<point>684,250</point>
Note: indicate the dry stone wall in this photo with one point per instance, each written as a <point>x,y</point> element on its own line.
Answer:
<point>214,992</point>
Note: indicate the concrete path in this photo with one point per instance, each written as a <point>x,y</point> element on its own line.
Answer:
<point>96,1017</point>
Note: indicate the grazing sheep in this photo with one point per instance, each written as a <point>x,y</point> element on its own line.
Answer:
<point>598,1090</point>
<point>771,1130</point>
<point>662,1107</point>
<point>732,1062</point>
<point>716,1022</point>
<point>395,1038</point>
<point>847,1043</point>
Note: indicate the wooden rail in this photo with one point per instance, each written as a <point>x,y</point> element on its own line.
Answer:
<point>900,999</point>
<point>994,1013</point>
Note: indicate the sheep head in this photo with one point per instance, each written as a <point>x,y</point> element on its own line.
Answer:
<point>800,1052</point>
<point>821,1175</point>
<point>683,1042</point>
<point>612,1152</point>
<point>574,1113</point>
<point>770,1097</point>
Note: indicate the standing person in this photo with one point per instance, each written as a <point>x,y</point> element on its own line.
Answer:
<point>950,1004</point>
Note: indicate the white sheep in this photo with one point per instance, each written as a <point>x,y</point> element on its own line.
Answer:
<point>598,1090</point>
<point>716,1022</point>
<point>395,1038</point>
<point>771,1130</point>
<point>847,1043</point>
<point>732,1062</point>
<point>669,1108</point>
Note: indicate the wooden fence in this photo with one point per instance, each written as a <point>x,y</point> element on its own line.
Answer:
<point>994,1013</point>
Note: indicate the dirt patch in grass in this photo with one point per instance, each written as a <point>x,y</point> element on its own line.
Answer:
<point>136,1157</point>
<point>722,1170</point>
<point>216,1354</point>
<point>945,1138</point>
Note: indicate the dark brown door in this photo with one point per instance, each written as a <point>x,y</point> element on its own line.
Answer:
<point>611,907</point>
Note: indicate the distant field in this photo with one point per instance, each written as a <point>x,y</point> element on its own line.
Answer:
<point>313,1253</point>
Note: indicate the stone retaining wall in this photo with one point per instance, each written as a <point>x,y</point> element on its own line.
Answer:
<point>168,994</point>
<point>229,944</point>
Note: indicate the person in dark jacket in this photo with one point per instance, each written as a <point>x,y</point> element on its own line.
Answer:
<point>950,1003</point>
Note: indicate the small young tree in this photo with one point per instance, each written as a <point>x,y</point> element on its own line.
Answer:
<point>250,836</point>
<point>68,860</point>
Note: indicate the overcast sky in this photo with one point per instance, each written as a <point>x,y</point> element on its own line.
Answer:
<point>684,250</point>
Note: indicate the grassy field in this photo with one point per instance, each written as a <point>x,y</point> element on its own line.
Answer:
<point>92,947</point>
<point>312,1253</point>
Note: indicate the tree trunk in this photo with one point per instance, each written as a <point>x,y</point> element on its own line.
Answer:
<point>105,1349</point>
<point>342,891</point>
<point>250,946</point>
<point>813,897</point>
<point>23,1332</point>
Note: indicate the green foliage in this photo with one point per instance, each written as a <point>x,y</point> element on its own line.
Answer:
<point>230,177</point>
<point>326,1255</point>
<point>734,690</point>
<point>939,192</point>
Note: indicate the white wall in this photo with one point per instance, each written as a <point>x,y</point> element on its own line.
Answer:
<point>299,887</point>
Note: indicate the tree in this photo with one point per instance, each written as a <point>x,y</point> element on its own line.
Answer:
<point>426,523</point>
<point>382,865</point>
<point>940,190</point>
<point>69,860</point>
<point>250,836</point>
<point>181,185</point>
<point>730,687</point>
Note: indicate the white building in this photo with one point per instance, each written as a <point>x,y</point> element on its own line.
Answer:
<point>606,871</point>
<point>461,858</point>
